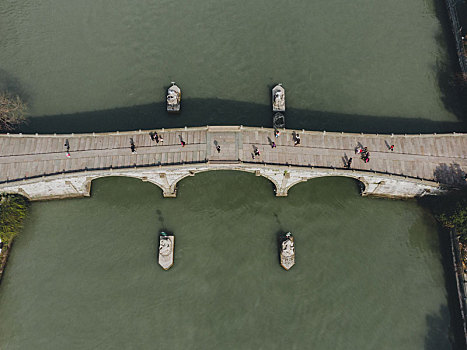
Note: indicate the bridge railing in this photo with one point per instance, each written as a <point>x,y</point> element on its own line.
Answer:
<point>231,128</point>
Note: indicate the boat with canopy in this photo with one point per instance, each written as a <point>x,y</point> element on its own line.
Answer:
<point>174,97</point>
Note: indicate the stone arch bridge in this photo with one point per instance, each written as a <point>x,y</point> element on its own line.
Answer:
<point>37,166</point>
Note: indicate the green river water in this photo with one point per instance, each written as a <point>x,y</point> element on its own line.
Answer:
<point>369,275</point>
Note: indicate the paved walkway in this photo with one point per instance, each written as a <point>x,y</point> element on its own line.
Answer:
<point>440,158</point>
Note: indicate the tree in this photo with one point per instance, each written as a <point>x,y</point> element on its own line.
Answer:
<point>13,209</point>
<point>457,219</point>
<point>12,111</point>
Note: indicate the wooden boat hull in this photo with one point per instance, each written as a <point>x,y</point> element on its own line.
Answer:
<point>166,251</point>
<point>278,104</point>
<point>287,253</point>
<point>287,262</point>
<point>174,99</point>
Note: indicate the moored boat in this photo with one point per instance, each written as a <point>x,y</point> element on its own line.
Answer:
<point>278,98</point>
<point>287,251</point>
<point>166,250</point>
<point>174,98</point>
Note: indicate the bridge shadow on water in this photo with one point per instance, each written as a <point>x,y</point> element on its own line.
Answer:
<point>212,111</point>
<point>200,112</point>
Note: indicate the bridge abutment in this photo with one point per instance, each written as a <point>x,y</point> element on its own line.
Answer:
<point>398,187</point>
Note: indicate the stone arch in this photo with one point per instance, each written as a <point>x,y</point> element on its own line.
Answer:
<point>360,180</point>
<point>195,171</point>
<point>90,179</point>
<point>282,178</point>
<point>274,182</point>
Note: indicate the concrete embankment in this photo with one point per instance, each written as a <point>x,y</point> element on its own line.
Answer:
<point>461,284</point>
<point>4,259</point>
<point>458,35</point>
<point>13,210</point>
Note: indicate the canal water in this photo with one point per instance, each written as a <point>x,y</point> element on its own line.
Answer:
<point>369,274</point>
<point>362,65</point>
<point>84,273</point>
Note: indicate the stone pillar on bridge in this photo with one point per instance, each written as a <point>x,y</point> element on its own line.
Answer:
<point>167,180</point>
<point>283,179</point>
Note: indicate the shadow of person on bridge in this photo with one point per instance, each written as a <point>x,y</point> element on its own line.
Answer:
<point>345,160</point>
<point>271,142</point>
<point>256,152</point>
<point>296,138</point>
<point>387,145</point>
<point>132,145</point>
<point>182,142</point>
<point>218,147</point>
<point>359,147</point>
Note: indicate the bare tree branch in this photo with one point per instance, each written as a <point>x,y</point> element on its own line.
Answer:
<point>12,111</point>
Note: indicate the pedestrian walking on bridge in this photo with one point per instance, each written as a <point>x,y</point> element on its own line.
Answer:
<point>132,146</point>
<point>296,139</point>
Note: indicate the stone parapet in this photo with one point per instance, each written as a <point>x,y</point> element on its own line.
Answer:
<point>167,178</point>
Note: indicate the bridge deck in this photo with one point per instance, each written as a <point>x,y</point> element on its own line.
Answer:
<point>430,157</point>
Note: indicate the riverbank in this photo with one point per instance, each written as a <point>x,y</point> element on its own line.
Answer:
<point>13,210</point>
<point>4,259</point>
<point>450,210</point>
<point>459,260</point>
<point>451,6</point>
